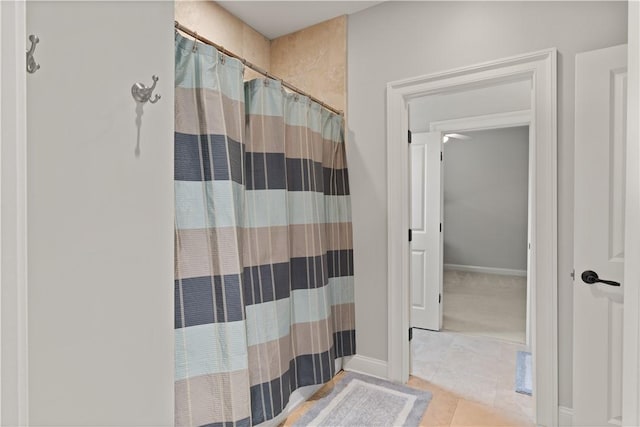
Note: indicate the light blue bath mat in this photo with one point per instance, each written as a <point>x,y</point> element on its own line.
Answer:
<point>524,382</point>
<point>360,400</point>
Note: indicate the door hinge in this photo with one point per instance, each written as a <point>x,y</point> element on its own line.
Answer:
<point>441,156</point>
<point>439,298</point>
<point>573,274</point>
<point>410,334</point>
<point>409,137</point>
<point>410,234</point>
<point>441,227</point>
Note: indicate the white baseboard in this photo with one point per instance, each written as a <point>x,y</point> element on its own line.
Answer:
<point>487,270</point>
<point>366,365</point>
<point>565,416</point>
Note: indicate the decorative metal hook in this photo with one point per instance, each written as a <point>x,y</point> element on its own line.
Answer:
<point>32,65</point>
<point>142,94</point>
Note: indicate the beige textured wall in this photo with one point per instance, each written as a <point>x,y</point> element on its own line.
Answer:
<point>314,59</point>
<point>210,20</point>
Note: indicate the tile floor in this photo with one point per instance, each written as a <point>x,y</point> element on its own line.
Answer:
<point>446,409</point>
<point>304,407</point>
<point>485,304</point>
<point>472,380</point>
<point>470,367</point>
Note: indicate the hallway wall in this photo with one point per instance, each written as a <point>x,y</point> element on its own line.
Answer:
<point>486,199</point>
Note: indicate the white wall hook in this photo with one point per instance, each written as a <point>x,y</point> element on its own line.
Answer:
<point>142,94</point>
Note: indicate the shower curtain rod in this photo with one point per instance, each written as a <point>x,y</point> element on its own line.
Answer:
<point>253,66</point>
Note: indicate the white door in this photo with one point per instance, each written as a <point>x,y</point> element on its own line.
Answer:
<point>600,124</point>
<point>426,230</point>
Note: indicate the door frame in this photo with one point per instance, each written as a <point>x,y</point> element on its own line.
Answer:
<point>14,408</point>
<point>541,69</point>
<point>631,332</point>
<point>501,121</point>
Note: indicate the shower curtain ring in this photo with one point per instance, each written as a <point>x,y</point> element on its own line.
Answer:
<point>195,41</point>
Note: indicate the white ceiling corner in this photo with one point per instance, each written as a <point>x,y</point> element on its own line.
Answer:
<point>277,18</point>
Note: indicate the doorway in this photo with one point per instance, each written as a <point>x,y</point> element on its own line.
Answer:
<point>485,233</point>
<point>475,349</point>
<point>539,69</point>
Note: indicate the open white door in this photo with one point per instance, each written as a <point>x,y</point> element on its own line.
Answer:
<point>426,230</point>
<point>600,128</point>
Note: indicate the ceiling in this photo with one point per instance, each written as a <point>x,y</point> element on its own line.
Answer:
<point>277,18</point>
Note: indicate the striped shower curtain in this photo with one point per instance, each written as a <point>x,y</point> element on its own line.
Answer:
<point>263,259</point>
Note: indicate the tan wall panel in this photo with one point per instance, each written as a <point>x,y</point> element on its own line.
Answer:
<point>216,24</point>
<point>315,60</point>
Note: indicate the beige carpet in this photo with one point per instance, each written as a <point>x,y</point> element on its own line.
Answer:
<point>485,305</point>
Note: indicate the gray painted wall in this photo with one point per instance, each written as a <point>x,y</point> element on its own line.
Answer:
<point>397,40</point>
<point>485,199</point>
<point>100,218</point>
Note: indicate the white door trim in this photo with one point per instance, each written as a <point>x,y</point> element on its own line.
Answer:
<point>485,122</point>
<point>540,69</point>
<point>631,284</point>
<point>13,216</point>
